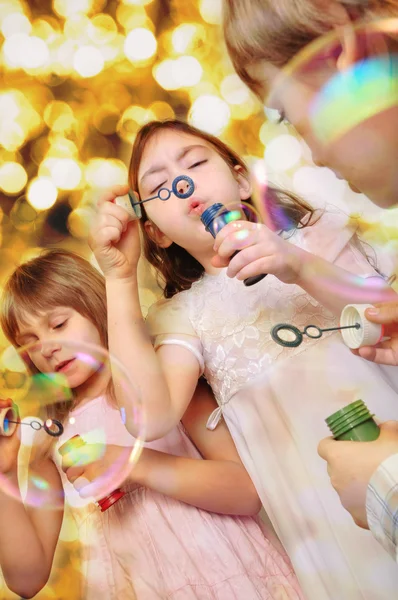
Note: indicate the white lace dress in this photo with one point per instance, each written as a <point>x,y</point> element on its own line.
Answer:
<point>275,400</point>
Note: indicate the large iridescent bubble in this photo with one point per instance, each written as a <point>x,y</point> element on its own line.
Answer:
<point>49,405</point>
<point>341,94</point>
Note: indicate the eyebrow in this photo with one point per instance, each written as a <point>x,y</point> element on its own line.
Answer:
<point>180,156</point>
<point>26,332</point>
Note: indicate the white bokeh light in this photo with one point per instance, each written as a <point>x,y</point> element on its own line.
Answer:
<point>42,193</point>
<point>140,44</point>
<point>283,152</point>
<point>88,61</point>
<point>210,113</point>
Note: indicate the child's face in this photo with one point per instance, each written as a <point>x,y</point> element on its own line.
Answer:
<point>51,330</point>
<point>172,153</point>
<point>365,153</point>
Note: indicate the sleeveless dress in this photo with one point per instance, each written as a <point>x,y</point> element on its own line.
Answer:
<point>275,400</point>
<point>150,547</point>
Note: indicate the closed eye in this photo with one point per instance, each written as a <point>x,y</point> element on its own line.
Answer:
<point>157,188</point>
<point>60,325</point>
<point>200,162</point>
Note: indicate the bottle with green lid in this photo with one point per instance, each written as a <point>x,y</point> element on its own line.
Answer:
<point>353,423</point>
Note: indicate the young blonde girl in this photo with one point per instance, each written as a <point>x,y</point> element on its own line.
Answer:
<point>273,400</point>
<point>183,528</point>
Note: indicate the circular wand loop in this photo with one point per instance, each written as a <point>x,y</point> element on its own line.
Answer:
<point>312,331</point>
<point>182,187</point>
<point>52,427</point>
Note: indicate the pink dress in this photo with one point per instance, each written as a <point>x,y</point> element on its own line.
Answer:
<point>149,546</point>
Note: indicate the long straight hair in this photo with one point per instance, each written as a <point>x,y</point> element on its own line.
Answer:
<point>54,278</point>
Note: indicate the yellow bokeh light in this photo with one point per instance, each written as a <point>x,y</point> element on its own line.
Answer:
<point>68,8</point>
<point>88,61</point>
<point>58,115</point>
<point>64,172</point>
<point>42,193</point>
<point>184,72</point>
<point>15,23</point>
<point>132,119</point>
<point>102,29</point>
<point>105,173</point>
<point>210,113</point>
<point>21,50</point>
<point>187,71</point>
<point>36,53</point>
<point>182,37</point>
<point>13,177</point>
<point>211,11</point>
<point>140,44</point>
<point>79,222</point>
<point>162,110</point>
<point>137,2</point>
<point>233,90</point>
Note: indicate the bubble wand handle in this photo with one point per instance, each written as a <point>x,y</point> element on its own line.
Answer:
<point>214,219</point>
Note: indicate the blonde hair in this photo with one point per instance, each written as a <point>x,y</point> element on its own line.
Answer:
<point>274,31</point>
<point>54,278</point>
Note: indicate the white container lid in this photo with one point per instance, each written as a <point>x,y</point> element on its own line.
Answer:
<point>367,334</point>
<point>125,202</point>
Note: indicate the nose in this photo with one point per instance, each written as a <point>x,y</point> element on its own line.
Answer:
<point>48,348</point>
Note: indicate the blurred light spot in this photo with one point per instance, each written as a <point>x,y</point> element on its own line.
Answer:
<point>131,121</point>
<point>140,44</point>
<point>79,221</point>
<point>187,71</point>
<point>162,110</point>
<point>137,2</point>
<point>65,172</point>
<point>58,115</point>
<point>105,173</point>
<point>283,152</point>
<point>102,29</point>
<point>233,90</point>
<point>88,61</point>
<point>210,113</point>
<point>68,8</point>
<point>13,177</point>
<point>184,72</point>
<point>182,37</point>
<point>42,193</point>
<point>211,11</point>
<point>15,23</point>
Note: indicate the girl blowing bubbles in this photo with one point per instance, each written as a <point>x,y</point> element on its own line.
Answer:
<point>158,541</point>
<point>273,400</point>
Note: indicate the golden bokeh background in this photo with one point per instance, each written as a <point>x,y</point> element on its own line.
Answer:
<point>78,78</point>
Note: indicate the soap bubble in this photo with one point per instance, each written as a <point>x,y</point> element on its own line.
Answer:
<point>50,405</point>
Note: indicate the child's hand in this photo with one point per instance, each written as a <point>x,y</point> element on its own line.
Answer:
<point>115,239</point>
<point>9,446</point>
<point>91,479</point>
<point>385,353</point>
<point>261,251</point>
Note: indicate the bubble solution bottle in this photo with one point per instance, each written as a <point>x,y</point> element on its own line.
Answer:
<point>353,423</point>
<point>74,444</point>
<point>215,218</point>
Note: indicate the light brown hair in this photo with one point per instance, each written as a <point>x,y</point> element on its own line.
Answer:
<point>175,267</point>
<point>274,31</point>
<point>54,278</point>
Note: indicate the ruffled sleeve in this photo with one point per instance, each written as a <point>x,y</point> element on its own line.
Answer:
<point>169,324</point>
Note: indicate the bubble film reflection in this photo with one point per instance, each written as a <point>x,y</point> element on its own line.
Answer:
<point>49,405</point>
